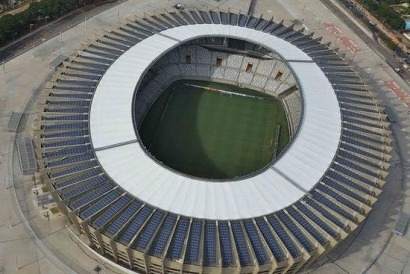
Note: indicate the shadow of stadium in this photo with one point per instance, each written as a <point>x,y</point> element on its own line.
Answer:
<point>182,150</point>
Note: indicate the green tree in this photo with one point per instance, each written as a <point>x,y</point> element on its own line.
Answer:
<point>14,26</point>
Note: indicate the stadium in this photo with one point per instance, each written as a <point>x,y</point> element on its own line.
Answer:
<point>142,212</point>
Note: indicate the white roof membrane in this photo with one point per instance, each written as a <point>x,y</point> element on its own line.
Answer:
<point>296,172</point>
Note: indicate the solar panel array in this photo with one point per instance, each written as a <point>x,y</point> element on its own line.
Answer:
<point>327,214</point>
<point>27,156</point>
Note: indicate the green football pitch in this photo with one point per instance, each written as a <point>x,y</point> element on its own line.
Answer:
<point>213,130</point>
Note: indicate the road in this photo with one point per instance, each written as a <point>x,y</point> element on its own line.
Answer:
<point>380,26</point>
<point>52,29</point>
<point>387,55</point>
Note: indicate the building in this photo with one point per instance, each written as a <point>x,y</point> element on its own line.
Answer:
<point>145,217</point>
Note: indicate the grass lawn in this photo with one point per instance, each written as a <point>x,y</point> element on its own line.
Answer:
<point>206,133</point>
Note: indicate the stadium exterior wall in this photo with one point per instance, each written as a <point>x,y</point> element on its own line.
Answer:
<point>370,125</point>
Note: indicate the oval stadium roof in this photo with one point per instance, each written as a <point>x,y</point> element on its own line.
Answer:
<point>145,217</point>
<point>291,177</point>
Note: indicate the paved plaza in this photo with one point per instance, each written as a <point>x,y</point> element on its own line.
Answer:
<point>31,244</point>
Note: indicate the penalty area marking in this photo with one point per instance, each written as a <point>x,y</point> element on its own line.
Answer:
<point>224,91</point>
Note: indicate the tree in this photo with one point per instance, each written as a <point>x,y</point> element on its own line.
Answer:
<point>14,26</point>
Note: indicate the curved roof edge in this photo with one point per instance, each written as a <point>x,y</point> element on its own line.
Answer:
<point>295,173</point>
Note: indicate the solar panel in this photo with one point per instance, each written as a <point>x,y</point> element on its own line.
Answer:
<point>67,126</point>
<point>117,207</point>
<point>66,110</point>
<point>69,160</point>
<point>256,242</point>
<point>80,178</point>
<point>338,197</point>
<point>158,246</point>
<point>114,45</point>
<point>332,205</point>
<point>91,77</point>
<point>241,246</point>
<point>260,24</point>
<point>349,172</point>
<point>210,243</point>
<point>296,231</point>
<point>134,33</point>
<point>105,61</point>
<point>343,189</point>
<point>283,235</point>
<point>270,239</point>
<point>233,19</point>
<point>90,196</point>
<point>66,143</point>
<point>196,17</point>
<point>349,144</point>
<point>351,148</point>
<point>132,40</point>
<point>192,251</point>
<point>367,123</point>
<point>75,169</point>
<point>305,210</point>
<point>105,50</point>
<point>100,204</point>
<point>82,187</point>
<point>224,18</point>
<point>343,179</point>
<point>325,213</point>
<point>214,17</point>
<point>375,138</point>
<point>122,219</point>
<point>148,231</point>
<point>251,22</point>
<point>187,18</point>
<point>96,66</point>
<point>177,18</point>
<point>78,83</point>
<point>153,23</point>
<point>68,151</point>
<point>141,29</point>
<point>225,244</point>
<point>85,96</point>
<point>65,134</point>
<point>177,243</point>
<point>135,225</point>
<point>162,22</point>
<point>305,224</point>
<point>205,17</point>
<point>111,56</point>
